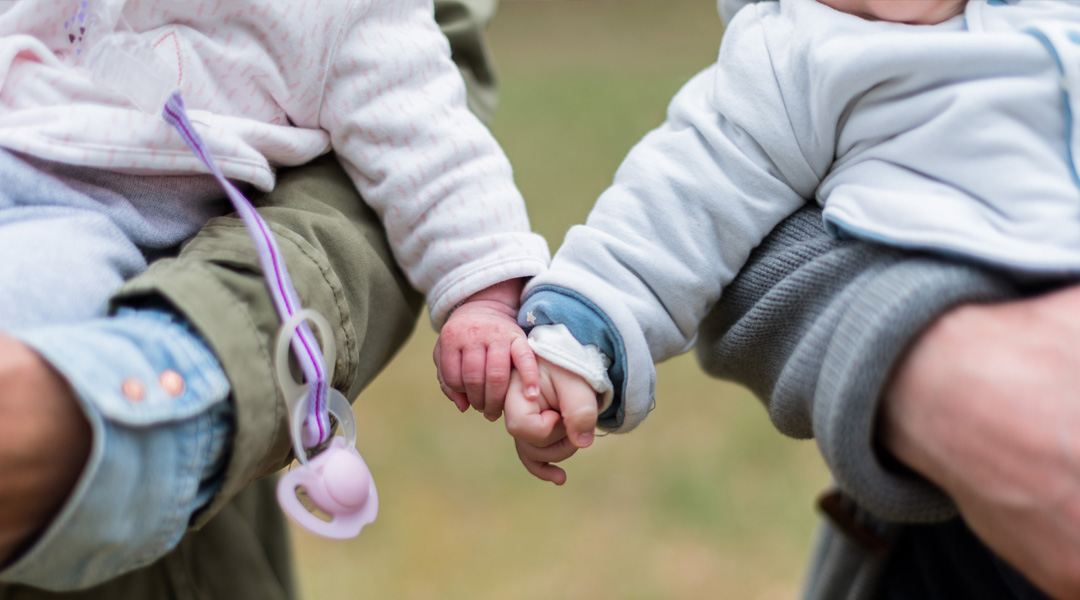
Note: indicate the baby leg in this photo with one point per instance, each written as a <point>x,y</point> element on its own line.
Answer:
<point>59,264</point>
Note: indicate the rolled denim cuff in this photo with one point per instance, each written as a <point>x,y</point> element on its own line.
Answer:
<point>155,398</point>
<point>551,305</point>
<point>555,343</point>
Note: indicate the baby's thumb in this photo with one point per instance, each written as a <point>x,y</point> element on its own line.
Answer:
<point>578,406</point>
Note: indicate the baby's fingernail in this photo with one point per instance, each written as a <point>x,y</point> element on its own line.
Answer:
<point>585,439</point>
<point>532,391</point>
<point>492,418</point>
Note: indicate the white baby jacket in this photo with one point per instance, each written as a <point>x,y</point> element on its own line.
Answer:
<point>956,138</point>
<point>272,83</point>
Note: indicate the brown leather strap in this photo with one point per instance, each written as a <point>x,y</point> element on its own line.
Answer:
<point>852,521</point>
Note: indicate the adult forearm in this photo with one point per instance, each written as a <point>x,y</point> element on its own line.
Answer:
<point>883,355</point>
<point>814,326</point>
<point>985,404</point>
<point>155,400</point>
<point>44,443</point>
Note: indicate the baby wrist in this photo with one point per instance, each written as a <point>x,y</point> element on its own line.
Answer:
<point>556,344</point>
<point>507,292</point>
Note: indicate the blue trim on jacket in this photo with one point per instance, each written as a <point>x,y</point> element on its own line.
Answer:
<point>552,305</point>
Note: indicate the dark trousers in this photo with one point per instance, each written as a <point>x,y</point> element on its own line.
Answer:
<point>945,561</point>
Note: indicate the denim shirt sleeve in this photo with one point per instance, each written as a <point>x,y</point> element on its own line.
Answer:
<point>550,305</point>
<point>156,457</point>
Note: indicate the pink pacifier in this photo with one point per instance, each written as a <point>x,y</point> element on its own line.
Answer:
<point>337,480</point>
<point>339,484</point>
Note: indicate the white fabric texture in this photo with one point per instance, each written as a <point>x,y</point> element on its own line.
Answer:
<point>556,344</point>
<point>278,83</point>
<point>911,135</point>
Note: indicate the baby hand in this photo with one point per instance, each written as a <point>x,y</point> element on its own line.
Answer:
<point>477,347</point>
<point>554,426</point>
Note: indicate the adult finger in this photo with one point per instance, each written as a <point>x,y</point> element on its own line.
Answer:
<point>497,380</point>
<point>525,362</point>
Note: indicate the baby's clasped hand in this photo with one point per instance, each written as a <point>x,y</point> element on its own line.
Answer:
<point>477,347</point>
<point>554,426</point>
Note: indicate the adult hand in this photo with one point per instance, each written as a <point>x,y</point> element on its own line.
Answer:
<point>986,404</point>
<point>44,444</point>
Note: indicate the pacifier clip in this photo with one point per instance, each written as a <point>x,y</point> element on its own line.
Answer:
<point>336,481</point>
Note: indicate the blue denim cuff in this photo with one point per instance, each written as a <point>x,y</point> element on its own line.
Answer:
<point>156,400</point>
<point>550,305</point>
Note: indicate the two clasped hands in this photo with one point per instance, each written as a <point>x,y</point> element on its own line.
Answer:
<point>984,404</point>
<point>483,360</point>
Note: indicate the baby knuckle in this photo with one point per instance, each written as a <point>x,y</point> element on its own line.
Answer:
<point>473,380</point>
<point>517,431</point>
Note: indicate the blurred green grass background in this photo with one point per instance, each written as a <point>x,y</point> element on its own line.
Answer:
<point>705,500</point>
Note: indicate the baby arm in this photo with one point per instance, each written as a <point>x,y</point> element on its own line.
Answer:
<point>437,178</point>
<point>444,191</point>
<point>477,347</point>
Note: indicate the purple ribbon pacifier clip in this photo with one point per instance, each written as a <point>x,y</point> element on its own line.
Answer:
<point>337,481</point>
<point>305,347</point>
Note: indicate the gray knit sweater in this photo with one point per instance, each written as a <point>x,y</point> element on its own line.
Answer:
<point>814,325</point>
